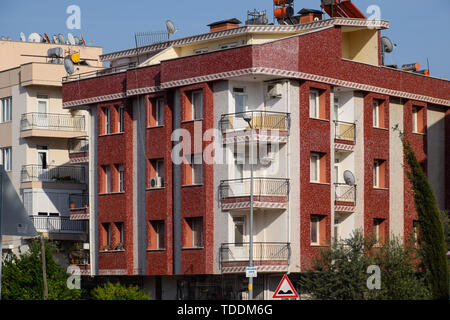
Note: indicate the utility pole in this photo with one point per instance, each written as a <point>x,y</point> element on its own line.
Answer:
<point>44,268</point>
<point>250,280</point>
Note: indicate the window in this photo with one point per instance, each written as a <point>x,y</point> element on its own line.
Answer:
<point>238,166</point>
<point>6,104</point>
<point>120,234</point>
<point>194,233</point>
<point>318,230</point>
<point>194,107</point>
<point>317,167</point>
<point>416,232</point>
<point>106,179</point>
<point>157,235</point>
<point>156,173</point>
<point>42,156</point>
<point>378,114</point>
<point>120,178</point>
<point>107,121</point>
<point>156,113</point>
<point>199,51</point>
<point>197,105</point>
<point>379,231</point>
<point>228,45</point>
<point>106,236</point>
<point>193,173</point>
<point>240,101</point>
<point>336,229</point>
<point>121,119</point>
<point>314,104</point>
<point>417,120</point>
<point>239,227</point>
<point>379,173</point>
<point>7,158</point>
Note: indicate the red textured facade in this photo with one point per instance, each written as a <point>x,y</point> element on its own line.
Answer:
<point>318,54</point>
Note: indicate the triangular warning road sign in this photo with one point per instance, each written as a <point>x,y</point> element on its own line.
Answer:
<point>285,289</point>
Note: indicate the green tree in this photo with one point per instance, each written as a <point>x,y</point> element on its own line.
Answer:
<point>340,272</point>
<point>22,276</point>
<point>433,245</point>
<point>118,291</point>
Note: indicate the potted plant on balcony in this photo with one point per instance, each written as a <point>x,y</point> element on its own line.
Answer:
<point>72,205</point>
<point>105,248</point>
<point>119,247</point>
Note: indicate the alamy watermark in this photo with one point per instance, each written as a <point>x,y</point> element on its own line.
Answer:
<point>74,19</point>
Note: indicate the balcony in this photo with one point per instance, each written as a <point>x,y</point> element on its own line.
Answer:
<point>268,193</point>
<point>267,257</point>
<point>268,126</point>
<point>345,136</point>
<point>33,176</point>
<point>49,125</point>
<point>79,206</point>
<point>58,225</point>
<point>78,150</point>
<point>345,198</point>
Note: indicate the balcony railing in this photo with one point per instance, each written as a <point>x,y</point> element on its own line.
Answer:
<point>260,120</point>
<point>51,121</point>
<point>262,251</point>
<point>99,73</point>
<point>66,174</point>
<point>58,224</point>
<point>345,192</point>
<point>261,187</point>
<point>345,131</point>
<point>79,201</point>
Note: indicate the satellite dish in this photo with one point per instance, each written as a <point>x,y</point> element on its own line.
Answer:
<point>77,41</point>
<point>349,178</point>
<point>387,45</point>
<point>3,38</point>
<point>55,39</point>
<point>35,37</point>
<point>68,65</point>
<point>170,26</point>
<point>22,37</point>
<point>71,39</point>
<point>61,39</point>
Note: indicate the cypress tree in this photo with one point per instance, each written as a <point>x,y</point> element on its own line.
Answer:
<point>433,245</point>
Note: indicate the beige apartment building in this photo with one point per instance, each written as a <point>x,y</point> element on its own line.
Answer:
<point>42,146</point>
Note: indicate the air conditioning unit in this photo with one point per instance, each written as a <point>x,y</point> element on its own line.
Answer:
<point>156,182</point>
<point>86,246</point>
<point>275,90</point>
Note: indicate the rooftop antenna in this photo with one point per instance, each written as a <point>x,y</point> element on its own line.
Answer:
<point>22,37</point>
<point>170,26</point>
<point>386,47</point>
<point>61,39</point>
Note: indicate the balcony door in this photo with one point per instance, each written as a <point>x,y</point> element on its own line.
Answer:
<point>240,251</point>
<point>42,116</point>
<point>240,107</point>
<point>42,163</point>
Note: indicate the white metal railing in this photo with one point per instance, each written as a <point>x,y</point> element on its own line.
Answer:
<point>58,224</point>
<point>261,187</point>
<point>262,251</point>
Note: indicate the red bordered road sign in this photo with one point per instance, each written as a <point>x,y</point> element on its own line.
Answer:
<point>285,290</point>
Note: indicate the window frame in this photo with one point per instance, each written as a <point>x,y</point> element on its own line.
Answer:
<point>6,110</point>
<point>158,229</point>
<point>376,114</point>
<point>196,225</point>
<point>106,121</point>
<point>154,170</point>
<point>120,178</point>
<point>120,119</point>
<point>317,171</point>
<point>106,179</point>
<point>317,104</point>
<point>6,158</point>
<point>314,220</point>
<point>194,107</point>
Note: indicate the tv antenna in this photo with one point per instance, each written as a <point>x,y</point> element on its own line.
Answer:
<point>170,26</point>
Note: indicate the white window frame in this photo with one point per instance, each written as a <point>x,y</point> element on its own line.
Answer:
<point>314,111</point>
<point>195,222</point>
<point>107,171</point>
<point>415,120</point>
<point>314,157</point>
<point>6,109</point>
<point>107,121</point>
<point>197,109</point>
<point>376,114</point>
<point>121,114</point>
<point>159,112</point>
<point>376,173</point>
<point>240,92</point>
<point>121,176</point>
<point>200,51</point>
<point>315,224</point>
<point>197,164</point>
<point>239,220</point>
<point>228,45</point>
<point>7,159</point>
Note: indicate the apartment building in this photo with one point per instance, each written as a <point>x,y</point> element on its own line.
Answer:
<point>314,103</point>
<point>41,143</point>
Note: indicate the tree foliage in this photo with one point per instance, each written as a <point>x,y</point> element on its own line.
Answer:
<point>340,273</point>
<point>117,291</point>
<point>433,245</point>
<point>22,276</point>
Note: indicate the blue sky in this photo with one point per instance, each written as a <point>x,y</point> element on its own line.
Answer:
<point>419,28</point>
